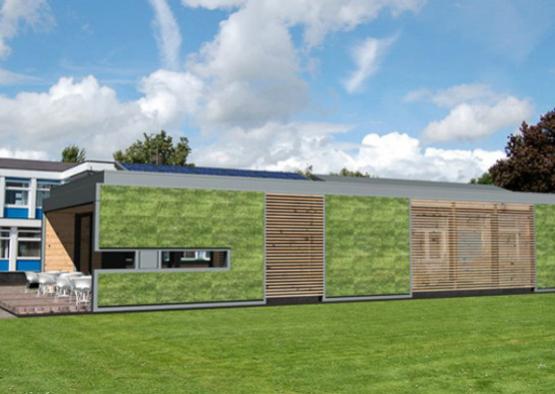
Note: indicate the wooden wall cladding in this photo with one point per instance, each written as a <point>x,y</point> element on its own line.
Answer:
<point>59,238</point>
<point>471,246</point>
<point>294,246</point>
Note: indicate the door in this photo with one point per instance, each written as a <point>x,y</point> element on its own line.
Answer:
<point>83,242</point>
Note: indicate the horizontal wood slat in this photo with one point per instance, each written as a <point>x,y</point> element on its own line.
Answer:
<point>471,246</point>
<point>294,246</point>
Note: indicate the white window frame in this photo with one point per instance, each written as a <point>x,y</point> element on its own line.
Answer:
<point>17,188</point>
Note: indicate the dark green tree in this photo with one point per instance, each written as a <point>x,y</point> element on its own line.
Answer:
<point>156,149</point>
<point>346,172</point>
<point>73,154</point>
<point>530,162</point>
<point>484,179</point>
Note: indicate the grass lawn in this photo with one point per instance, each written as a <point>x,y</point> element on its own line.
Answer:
<point>483,344</point>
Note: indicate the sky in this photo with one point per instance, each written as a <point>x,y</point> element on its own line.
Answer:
<point>414,89</point>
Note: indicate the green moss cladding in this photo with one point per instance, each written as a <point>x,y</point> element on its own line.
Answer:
<point>148,217</point>
<point>545,246</point>
<point>367,246</point>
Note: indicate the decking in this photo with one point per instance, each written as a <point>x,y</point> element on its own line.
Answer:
<point>22,302</point>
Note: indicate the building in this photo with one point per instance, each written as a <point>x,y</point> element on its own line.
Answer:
<point>24,184</point>
<point>162,237</point>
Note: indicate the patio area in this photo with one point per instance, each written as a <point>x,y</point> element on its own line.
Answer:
<point>24,302</point>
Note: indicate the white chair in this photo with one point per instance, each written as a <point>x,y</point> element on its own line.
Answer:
<point>32,279</point>
<point>64,284</point>
<point>47,284</point>
<point>82,286</point>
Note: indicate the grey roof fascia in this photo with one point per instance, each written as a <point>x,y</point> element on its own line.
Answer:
<point>78,192</point>
<point>406,189</point>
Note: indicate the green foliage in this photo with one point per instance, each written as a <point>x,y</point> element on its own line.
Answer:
<point>367,246</point>
<point>484,179</point>
<point>346,172</point>
<point>73,154</point>
<point>459,345</point>
<point>308,173</point>
<point>145,217</point>
<point>156,149</point>
<point>545,246</point>
<point>530,162</point>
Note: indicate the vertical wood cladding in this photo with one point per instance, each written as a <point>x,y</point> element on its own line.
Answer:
<point>294,246</point>
<point>471,246</point>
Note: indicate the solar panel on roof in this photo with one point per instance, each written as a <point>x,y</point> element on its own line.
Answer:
<point>212,171</point>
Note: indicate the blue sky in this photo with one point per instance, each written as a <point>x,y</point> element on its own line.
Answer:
<point>397,88</point>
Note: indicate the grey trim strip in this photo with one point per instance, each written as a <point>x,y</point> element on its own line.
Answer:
<point>167,307</point>
<point>369,298</point>
<point>375,187</point>
<point>546,290</point>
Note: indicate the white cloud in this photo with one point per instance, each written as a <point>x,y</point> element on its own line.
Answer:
<point>366,55</point>
<point>15,13</point>
<point>475,111</point>
<point>458,94</point>
<point>82,112</point>
<point>317,17</point>
<point>23,154</point>
<point>473,121</point>
<point>8,77</point>
<point>168,35</point>
<point>293,146</point>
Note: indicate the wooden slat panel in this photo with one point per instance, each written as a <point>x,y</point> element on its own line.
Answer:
<point>294,246</point>
<point>471,246</point>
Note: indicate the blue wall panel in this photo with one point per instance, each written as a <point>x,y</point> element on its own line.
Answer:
<point>28,265</point>
<point>16,213</point>
<point>4,265</point>
<point>38,213</point>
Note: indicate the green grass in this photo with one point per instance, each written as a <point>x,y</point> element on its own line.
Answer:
<point>146,217</point>
<point>367,246</point>
<point>545,247</point>
<point>486,344</point>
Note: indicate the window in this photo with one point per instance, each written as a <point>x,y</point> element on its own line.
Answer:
<point>4,243</point>
<point>28,243</point>
<point>118,260</point>
<point>43,191</point>
<point>195,259</point>
<point>17,192</point>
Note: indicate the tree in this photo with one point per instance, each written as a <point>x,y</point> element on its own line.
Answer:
<point>346,172</point>
<point>73,154</point>
<point>530,162</point>
<point>484,179</point>
<point>156,149</point>
<point>308,173</point>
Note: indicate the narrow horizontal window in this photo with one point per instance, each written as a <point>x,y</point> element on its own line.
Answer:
<point>195,258</point>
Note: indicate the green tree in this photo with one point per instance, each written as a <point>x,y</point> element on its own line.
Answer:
<point>156,149</point>
<point>484,179</point>
<point>73,154</point>
<point>308,173</point>
<point>530,162</point>
<point>346,172</point>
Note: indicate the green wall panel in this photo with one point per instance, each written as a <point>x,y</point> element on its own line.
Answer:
<point>367,246</point>
<point>545,246</point>
<point>145,217</point>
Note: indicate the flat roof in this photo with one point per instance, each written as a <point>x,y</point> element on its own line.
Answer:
<point>83,190</point>
<point>34,165</point>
